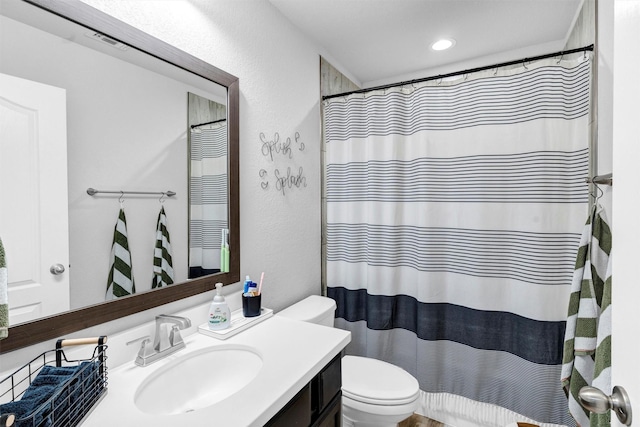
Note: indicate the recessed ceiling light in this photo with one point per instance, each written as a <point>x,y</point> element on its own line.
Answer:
<point>443,44</point>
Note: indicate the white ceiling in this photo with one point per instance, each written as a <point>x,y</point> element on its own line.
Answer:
<point>383,41</point>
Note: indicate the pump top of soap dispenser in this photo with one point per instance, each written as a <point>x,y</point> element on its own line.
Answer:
<point>218,297</point>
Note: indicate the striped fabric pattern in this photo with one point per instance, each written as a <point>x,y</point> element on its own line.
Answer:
<point>162,262</point>
<point>202,233</point>
<point>120,282</point>
<point>4,297</point>
<point>535,177</point>
<point>454,214</point>
<point>587,343</point>
<point>534,257</point>
<point>492,100</point>
<point>208,198</point>
<point>209,190</point>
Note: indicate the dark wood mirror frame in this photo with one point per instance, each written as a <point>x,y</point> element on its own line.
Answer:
<point>55,326</point>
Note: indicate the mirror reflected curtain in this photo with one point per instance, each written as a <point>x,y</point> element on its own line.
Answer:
<point>208,189</point>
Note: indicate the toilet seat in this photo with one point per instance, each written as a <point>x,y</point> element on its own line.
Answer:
<point>375,382</point>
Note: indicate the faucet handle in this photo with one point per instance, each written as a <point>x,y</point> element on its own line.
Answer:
<point>135,340</point>
<point>146,348</point>
<point>174,337</point>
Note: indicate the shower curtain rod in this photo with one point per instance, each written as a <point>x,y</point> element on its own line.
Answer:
<point>457,73</point>
<point>208,123</point>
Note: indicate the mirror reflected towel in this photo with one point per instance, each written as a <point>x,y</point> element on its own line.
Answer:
<point>162,263</point>
<point>120,282</point>
<point>587,343</point>
<point>4,297</point>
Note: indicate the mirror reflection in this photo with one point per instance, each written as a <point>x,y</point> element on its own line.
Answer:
<point>119,122</point>
<point>208,187</point>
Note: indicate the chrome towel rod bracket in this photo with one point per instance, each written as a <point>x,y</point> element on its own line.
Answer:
<point>606,179</point>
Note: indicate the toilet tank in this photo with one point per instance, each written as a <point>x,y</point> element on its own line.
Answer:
<point>314,309</point>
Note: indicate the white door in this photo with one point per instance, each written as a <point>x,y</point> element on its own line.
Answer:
<point>33,197</point>
<point>626,203</point>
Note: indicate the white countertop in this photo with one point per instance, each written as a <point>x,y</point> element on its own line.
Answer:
<point>292,352</point>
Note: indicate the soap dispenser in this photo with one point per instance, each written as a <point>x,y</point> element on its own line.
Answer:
<point>219,313</point>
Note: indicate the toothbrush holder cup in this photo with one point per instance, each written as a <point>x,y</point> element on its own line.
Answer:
<point>251,305</point>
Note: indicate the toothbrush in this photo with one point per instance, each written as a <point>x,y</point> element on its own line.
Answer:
<point>224,251</point>
<point>260,285</point>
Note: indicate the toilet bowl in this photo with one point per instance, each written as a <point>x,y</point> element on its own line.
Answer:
<point>374,393</point>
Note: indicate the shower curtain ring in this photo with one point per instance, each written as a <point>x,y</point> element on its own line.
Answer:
<point>121,198</point>
<point>496,71</point>
<point>161,199</point>
<point>561,56</point>
<point>524,64</point>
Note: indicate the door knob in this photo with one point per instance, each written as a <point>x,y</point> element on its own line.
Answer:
<point>56,269</point>
<point>594,400</point>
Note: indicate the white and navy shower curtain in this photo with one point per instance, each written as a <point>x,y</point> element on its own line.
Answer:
<point>454,213</point>
<point>208,192</point>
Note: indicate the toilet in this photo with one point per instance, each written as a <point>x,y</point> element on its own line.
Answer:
<point>374,393</point>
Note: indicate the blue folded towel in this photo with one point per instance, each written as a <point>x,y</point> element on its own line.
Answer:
<point>62,370</point>
<point>59,382</point>
<point>39,394</point>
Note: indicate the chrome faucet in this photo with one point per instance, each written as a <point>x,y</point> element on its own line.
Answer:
<point>165,342</point>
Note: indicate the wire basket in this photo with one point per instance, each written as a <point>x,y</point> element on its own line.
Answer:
<point>54,391</point>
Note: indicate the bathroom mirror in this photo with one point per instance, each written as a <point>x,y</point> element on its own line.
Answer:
<point>145,165</point>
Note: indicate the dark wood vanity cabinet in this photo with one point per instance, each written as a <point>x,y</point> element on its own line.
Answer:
<point>318,404</point>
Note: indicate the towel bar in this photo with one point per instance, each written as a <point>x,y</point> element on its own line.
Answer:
<point>93,192</point>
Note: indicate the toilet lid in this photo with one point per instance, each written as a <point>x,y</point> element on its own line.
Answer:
<point>374,381</point>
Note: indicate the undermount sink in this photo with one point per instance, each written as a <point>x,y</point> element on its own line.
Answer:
<point>198,380</point>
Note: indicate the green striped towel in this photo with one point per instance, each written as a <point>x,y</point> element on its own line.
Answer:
<point>587,344</point>
<point>162,263</point>
<point>120,282</point>
<point>4,297</point>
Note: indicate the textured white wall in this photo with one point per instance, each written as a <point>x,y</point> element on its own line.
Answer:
<point>278,70</point>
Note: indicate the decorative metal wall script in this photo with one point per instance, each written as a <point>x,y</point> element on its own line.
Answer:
<point>284,177</point>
